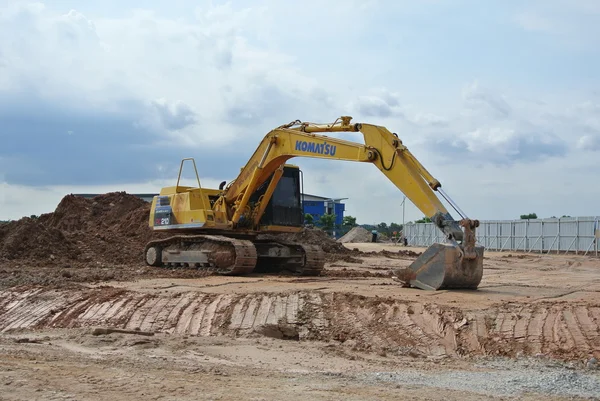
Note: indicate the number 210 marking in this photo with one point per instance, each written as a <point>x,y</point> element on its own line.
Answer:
<point>163,221</point>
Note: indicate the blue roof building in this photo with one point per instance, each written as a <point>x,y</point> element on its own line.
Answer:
<point>317,206</point>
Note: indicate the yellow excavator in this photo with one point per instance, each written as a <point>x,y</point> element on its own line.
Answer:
<point>231,230</point>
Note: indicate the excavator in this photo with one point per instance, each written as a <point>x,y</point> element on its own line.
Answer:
<point>235,229</point>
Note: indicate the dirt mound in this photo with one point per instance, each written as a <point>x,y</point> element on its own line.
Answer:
<point>75,213</point>
<point>30,237</point>
<point>109,229</point>
<point>356,235</point>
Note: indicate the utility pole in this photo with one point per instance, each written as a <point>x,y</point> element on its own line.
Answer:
<point>403,204</point>
<point>403,228</point>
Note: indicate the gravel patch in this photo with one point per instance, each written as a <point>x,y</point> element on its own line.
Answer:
<point>502,379</point>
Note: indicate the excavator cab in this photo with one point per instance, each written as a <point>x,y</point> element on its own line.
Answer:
<point>284,208</point>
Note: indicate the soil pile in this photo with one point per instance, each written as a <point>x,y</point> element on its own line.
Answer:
<point>109,229</point>
<point>29,238</point>
<point>356,235</point>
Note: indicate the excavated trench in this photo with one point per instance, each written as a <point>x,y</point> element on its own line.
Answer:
<point>564,331</point>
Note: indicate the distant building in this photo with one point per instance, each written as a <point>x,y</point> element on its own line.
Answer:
<point>317,206</point>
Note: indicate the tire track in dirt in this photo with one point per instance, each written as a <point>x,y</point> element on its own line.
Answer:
<point>553,329</point>
<point>564,330</point>
<point>15,306</point>
<point>210,316</point>
<point>535,330</point>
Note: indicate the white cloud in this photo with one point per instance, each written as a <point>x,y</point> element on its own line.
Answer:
<point>380,104</point>
<point>430,119</point>
<point>589,142</point>
<point>587,114</point>
<point>179,121</point>
<point>504,145</point>
<point>533,22</point>
<point>568,22</point>
<point>174,116</point>
<point>203,71</point>
<point>484,100</point>
<point>486,140</point>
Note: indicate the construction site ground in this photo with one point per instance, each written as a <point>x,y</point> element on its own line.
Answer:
<point>70,278</point>
<point>530,331</point>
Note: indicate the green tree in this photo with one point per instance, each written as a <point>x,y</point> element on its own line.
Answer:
<point>309,218</point>
<point>425,219</point>
<point>349,221</point>
<point>529,216</point>
<point>395,227</point>
<point>369,227</point>
<point>327,222</point>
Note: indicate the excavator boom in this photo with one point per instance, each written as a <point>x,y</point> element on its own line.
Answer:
<point>457,263</point>
<point>381,148</point>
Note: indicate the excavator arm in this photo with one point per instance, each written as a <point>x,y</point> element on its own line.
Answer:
<point>216,222</point>
<point>381,148</point>
<point>457,263</point>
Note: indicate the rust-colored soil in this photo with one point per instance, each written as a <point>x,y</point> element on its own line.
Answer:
<point>109,229</point>
<point>533,305</point>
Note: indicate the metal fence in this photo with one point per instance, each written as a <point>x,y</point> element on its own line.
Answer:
<point>567,234</point>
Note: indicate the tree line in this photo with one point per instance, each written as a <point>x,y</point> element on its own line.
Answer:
<point>534,216</point>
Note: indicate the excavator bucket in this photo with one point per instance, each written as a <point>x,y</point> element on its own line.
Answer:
<point>447,265</point>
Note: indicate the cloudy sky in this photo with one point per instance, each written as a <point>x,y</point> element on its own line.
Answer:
<point>500,100</point>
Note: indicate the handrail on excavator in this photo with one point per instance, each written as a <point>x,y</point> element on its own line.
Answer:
<point>197,176</point>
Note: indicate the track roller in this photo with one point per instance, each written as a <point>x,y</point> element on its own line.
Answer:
<point>230,256</point>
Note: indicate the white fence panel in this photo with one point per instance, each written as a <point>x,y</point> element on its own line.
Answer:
<point>553,235</point>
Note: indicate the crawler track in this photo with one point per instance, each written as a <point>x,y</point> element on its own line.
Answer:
<point>226,256</point>
<point>232,256</point>
<point>314,262</point>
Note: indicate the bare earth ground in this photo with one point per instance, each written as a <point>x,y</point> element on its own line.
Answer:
<point>530,331</point>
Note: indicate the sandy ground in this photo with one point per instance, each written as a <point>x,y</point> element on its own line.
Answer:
<point>530,331</point>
